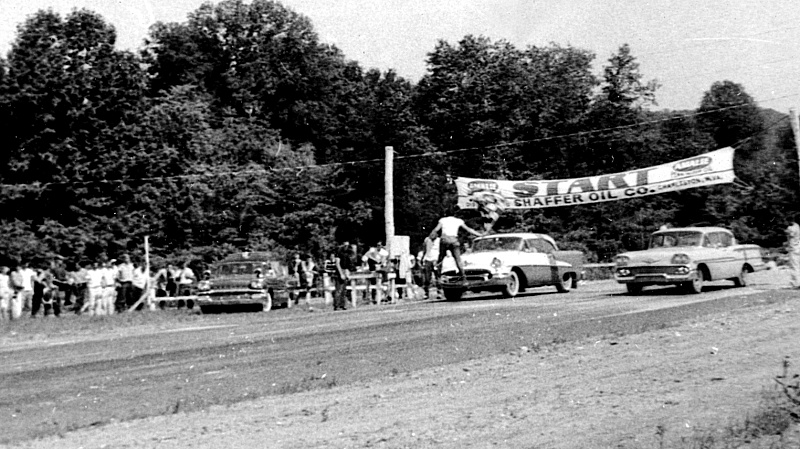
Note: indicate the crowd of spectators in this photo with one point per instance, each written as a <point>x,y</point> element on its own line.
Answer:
<point>106,287</point>
<point>103,287</point>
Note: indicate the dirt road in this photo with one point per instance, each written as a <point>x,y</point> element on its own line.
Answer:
<point>593,368</point>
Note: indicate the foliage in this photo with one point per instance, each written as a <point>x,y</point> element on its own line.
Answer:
<point>238,129</point>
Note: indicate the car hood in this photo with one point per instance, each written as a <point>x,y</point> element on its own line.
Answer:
<point>658,256</point>
<point>483,259</point>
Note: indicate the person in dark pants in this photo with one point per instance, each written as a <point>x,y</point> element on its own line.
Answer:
<point>80,279</point>
<point>124,278</point>
<point>346,262</point>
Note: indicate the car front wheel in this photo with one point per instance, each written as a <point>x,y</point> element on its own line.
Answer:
<point>267,303</point>
<point>512,288</point>
<point>696,284</point>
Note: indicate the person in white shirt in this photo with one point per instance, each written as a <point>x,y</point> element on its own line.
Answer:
<point>26,295</point>
<point>449,227</point>
<point>139,284</point>
<point>185,280</point>
<point>94,287</point>
<point>5,294</point>
<point>430,255</point>
<point>109,280</point>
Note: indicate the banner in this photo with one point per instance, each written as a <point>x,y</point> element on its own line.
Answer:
<point>706,169</point>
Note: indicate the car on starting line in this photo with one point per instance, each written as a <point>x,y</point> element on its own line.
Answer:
<point>509,263</point>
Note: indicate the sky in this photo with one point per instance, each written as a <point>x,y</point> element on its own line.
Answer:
<point>686,45</point>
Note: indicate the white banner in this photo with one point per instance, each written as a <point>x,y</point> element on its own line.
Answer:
<point>706,169</point>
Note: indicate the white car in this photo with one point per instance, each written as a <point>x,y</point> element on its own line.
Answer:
<point>688,257</point>
<point>510,263</point>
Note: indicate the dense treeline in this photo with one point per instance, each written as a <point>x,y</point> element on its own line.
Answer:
<point>238,128</point>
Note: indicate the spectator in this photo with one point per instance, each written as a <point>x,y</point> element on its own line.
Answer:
<point>45,293</point>
<point>80,280</point>
<point>186,280</point>
<point>95,290</point>
<point>793,248</point>
<point>17,298</point>
<point>430,256</point>
<point>138,284</point>
<point>296,269</point>
<point>346,262</point>
<point>5,294</point>
<point>376,259</point>
<point>449,227</point>
<point>308,269</point>
<point>124,279</point>
<point>27,275</point>
<point>108,274</point>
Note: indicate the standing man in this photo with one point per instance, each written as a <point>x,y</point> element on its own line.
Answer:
<point>186,280</point>
<point>346,263</point>
<point>5,294</point>
<point>449,227</point>
<point>430,255</point>
<point>27,275</point>
<point>17,299</point>
<point>793,247</point>
<point>124,283</point>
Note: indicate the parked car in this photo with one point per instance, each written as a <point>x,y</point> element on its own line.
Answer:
<point>510,263</point>
<point>688,257</point>
<point>247,278</point>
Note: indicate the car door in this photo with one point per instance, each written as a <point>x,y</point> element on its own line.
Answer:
<point>720,259</point>
<point>541,262</point>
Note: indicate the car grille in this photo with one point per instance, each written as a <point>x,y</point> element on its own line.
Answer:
<point>473,275</point>
<point>640,271</point>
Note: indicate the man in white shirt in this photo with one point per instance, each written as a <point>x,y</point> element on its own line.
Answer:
<point>26,295</point>
<point>109,279</point>
<point>186,280</point>
<point>449,227</point>
<point>94,287</point>
<point>430,255</point>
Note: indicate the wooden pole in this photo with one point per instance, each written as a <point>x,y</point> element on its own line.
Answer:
<point>796,130</point>
<point>388,202</point>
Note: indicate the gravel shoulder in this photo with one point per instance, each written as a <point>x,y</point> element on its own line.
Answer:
<point>614,391</point>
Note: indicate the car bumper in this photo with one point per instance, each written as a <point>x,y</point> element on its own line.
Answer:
<point>655,278</point>
<point>232,298</point>
<point>482,281</point>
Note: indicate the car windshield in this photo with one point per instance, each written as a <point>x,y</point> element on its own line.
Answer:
<point>497,244</point>
<point>238,268</point>
<point>673,239</point>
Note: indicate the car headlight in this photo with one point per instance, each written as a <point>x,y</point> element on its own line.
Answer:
<point>622,261</point>
<point>203,285</point>
<point>496,263</point>
<point>680,259</point>
<point>257,284</point>
<point>624,272</point>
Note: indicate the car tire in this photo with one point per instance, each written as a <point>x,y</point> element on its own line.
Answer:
<point>290,301</point>
<point>511,289</point>
<point>741,280</point>
<point>566,284</point>
<point>634,289</point>
<point>695,286</point>
<point>453,294</point>
<point>267,303</point>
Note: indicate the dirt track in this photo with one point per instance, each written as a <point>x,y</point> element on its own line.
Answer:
<point>545,370</point>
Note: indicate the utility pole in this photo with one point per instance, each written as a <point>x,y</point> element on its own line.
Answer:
<point>796,130</point>
<point>388,203</point>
